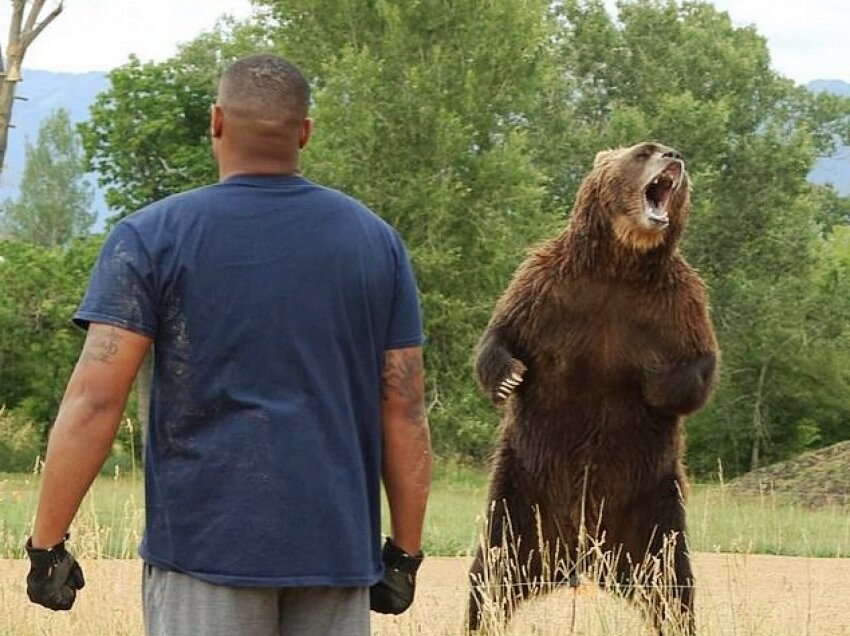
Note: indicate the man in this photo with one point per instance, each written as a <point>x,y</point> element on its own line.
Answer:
<point>287,378</point>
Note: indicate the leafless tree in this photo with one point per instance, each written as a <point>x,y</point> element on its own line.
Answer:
<point>24,28</point>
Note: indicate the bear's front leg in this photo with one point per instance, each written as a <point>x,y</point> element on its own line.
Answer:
<point>498,372</point>
<point>682,387</point>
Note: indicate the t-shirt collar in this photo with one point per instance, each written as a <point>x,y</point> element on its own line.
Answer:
<point>265,179</point>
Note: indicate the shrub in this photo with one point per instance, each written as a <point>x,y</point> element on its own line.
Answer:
<point>20,443</point>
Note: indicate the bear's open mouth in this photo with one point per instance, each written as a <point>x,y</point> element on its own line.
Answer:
<point>657,194</point>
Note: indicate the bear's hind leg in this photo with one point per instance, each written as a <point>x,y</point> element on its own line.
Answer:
<point>521,554</point>
<point>509,569</point>
<point>655,568</point>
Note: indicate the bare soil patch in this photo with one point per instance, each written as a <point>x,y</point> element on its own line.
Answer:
<point>740,595</point>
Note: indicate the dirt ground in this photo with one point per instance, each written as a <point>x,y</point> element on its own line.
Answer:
<point>738,595</point>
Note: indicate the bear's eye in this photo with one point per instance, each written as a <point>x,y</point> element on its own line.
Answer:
<point>643,154</point>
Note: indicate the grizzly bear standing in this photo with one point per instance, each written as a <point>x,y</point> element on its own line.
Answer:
<point>597,349</point>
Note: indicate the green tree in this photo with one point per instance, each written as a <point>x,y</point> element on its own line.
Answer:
<point>418,107</point>
<point>148,134</point>
<point>54,204</point>
<point>421,117</point>
<point>681,73</point>
<point>40,288</point>
<point>468,125</point>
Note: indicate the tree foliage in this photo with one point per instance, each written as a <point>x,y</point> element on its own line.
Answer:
<point>148,134</point>
<point>682,74</point>
<point>54,204</point>
<point>40,288</point>
<point>468,125</point>
<point>409,122</point>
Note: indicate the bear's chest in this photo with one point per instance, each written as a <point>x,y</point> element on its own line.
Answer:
<point>605,335</point>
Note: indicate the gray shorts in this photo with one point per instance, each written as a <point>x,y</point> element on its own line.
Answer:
<point>177,604</point>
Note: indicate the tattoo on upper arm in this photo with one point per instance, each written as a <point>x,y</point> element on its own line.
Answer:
<point>402,379</point>
<point>101,345</point>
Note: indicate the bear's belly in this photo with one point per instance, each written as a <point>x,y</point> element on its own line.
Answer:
<point>592,435</point>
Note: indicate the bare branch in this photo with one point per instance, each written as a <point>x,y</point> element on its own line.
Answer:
<point>21,35</point>
<point>32,17</point>
<point>31,35</point>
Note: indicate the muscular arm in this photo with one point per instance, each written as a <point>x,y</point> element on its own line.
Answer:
<point>406,445</point>
<point>85,426</point>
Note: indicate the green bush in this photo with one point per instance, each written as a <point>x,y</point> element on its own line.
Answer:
<point>20,443</point>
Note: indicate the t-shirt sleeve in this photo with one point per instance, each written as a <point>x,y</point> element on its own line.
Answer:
<point>405,326</point>
<point>121,287</point>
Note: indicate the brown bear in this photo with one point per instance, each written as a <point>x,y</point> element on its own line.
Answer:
<point>598,348</point>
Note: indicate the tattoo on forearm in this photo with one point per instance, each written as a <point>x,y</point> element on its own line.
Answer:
<point>402,379</point>
<point>101,345</point>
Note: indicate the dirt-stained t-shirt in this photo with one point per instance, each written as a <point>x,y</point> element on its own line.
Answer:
<point>270,301</point>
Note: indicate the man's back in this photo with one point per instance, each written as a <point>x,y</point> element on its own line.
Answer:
<point>271,302</point>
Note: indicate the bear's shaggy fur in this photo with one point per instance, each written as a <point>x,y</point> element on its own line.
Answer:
<point>597,349</point>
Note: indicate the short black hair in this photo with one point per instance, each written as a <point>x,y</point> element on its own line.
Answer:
<point>264,85</point>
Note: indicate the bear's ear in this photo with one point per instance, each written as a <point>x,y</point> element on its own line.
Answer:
<point>600,157</point>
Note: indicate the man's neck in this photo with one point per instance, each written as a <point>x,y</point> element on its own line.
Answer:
<point>227,170</point>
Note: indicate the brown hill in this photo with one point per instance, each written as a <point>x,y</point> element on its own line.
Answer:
<point>814,479</point>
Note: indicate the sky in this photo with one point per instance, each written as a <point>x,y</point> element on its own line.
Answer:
<point>98,35</point>
<point>808,39</point>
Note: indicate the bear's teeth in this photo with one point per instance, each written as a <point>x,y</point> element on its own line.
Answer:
<point>655,181</point>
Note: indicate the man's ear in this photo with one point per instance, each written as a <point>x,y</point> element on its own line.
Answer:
<point>216,121</point>
<point>305,132</point>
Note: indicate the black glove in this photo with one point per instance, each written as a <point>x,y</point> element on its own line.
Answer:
<point>54,576</point>
<point>394,593</point>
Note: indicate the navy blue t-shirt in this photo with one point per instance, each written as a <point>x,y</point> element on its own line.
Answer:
<point>270,301</point>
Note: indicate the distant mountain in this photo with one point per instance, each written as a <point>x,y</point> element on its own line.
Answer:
<point>837,87</point>
<point>835,169</point>
<point>44,92</point>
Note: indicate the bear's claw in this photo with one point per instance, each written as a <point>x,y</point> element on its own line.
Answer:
<point>508,385</point>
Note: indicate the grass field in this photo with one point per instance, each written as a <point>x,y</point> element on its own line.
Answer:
<point>741,594</point>
<point>721,519</point>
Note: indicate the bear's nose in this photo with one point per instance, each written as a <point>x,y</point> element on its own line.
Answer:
<point>672,153</point>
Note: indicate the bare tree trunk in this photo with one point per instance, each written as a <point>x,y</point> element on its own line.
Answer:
<point>23,29</point>
<point>758,419</point>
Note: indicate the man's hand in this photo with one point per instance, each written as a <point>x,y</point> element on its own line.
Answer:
<point>54,578</point>
<point>394,593</point>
